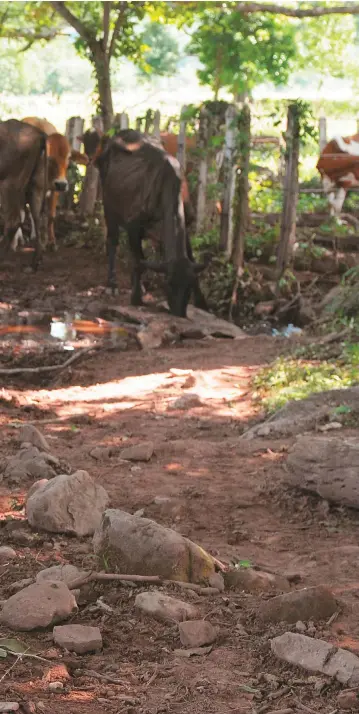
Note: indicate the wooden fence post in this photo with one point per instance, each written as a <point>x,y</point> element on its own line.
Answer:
<point>322,133</point>
<point>74,129</point>
<point>226,229</point>
<point>122,121</point>
<point>91,185</point>
<point>148,121</point>
<point>156,124</point>
<point>241,199</point>
<point>181,150</point>
<point>290,192</point>
<point>203,168</point>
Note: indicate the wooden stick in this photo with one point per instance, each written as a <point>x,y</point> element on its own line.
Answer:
<point>104,677</point>
<point>154,579</point>
<point>49,368</point>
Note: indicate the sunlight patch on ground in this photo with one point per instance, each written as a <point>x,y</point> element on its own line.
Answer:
<point>222,391</point>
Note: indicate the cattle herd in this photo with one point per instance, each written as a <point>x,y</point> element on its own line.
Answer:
<point>143,193</point>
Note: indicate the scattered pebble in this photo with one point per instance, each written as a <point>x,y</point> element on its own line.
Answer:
<point>196,633</point>
<point>55,686</point>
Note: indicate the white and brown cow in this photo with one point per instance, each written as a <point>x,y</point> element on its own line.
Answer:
<point>338,166</point>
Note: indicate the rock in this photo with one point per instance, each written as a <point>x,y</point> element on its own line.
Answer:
<point>29,433</point>
<point>348,700</point>
<point>161,500</point>
<point>255,581</point>
<point>38,605</point>
<point>78,638</point>
<point>66,573</point>
<point>216,581</point>
<point>316,603</point>
<point>300,626</point>
<point>196,633</point>
<point>139,452</point>
<point>132,544</point>
<point>6,554</point>
<point>328,466</point>
<point>30,463</point>
<point>165,608</point>
<point>9,706</point>
<point>55,686</point>
<point>69,503</point>
<point>21,584</point>
<point>101,453</point>
<point>34,487</point>
<point>187,401</point>
<point>317,656</point>
<point>301,415</point>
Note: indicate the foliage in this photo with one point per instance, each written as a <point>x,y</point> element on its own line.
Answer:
<point>292,379</point>
<point>161,52</point>
<point>240,52</point>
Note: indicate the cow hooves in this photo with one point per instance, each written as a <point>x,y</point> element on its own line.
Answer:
<point>113,292</point>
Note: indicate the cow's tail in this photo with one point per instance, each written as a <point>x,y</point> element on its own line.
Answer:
<point>44,152</point>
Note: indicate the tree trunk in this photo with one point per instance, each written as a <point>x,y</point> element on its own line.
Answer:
<point>290,193</point>
<point>102,67</point>
<point>242,187</point>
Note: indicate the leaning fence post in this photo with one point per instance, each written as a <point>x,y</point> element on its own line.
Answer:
<point>203,168</point>
<point>91,184</point>
<point>156,124</point>
<point>226,230</point>
<point>181,145</point>
<point>74,129</point>
<point>148,121</point>
<point>122,120</point>
<point>242,187</point>
<point>290,192</point>
<point>322,133</point>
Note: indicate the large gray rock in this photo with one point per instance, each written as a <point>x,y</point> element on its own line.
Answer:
<point>30,462</point>
<point>165,608</point>
<point>329,466</point>
<point>132,544</point>
<point>66,573</point>
<point>317,656</point>
<point>299,416</point>
<point>78,638</point>
<point>316,603</point>
<point>38,605</point>
<point>28,433</point>
<point>69,503</point>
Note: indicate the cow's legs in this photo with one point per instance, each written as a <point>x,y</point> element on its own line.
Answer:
<point>135,234</point>
<point>51,238</point>
<point>336,201</point>
<point>111,246</point>
<point>35,203</point>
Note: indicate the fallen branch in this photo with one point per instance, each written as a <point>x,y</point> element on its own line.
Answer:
<point>334,337</point>
<point>49,368</point>
<point>104,677</point>
<point>153,579</point>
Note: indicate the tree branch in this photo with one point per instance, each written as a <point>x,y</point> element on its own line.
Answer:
<point>116,31</point>
<point>106,22</point>
<point>315,11</point>
<point>74,21</point>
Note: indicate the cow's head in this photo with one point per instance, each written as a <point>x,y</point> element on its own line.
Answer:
<point>91,139</point>
<point>59,155</point>
<point>181,277</point>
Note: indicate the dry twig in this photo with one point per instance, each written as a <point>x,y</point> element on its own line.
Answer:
<point>48,368</point>
<point>153,579</point>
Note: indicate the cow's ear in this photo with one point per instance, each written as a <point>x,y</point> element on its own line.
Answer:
<point>79,158</point>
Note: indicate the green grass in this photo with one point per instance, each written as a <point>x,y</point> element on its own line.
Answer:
<point>288,379</point>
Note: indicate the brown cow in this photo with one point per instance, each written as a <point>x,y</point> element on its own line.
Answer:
<point>59,154</point>
<point>338,166</point>
<point>22,179</point>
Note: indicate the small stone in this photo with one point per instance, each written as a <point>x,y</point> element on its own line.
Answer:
<point>66,573</point>
<point>38,606</point>
<point>161,500</point>
<point>55,686</point>
<point>6,553</point>
<point>348,700</point>
<point>196,633</point>
<point>317,656</point>
<point>140,513</point>
<point>78,638</point>
<point>187,401</point>
<point>139,452</point>
<point>255,581</point>
<point>165,608</point>
<point>101,453</point>
<point>315,603</point>
<point>9,706</point>
<point>300,626</point>
<point>32,435</point>
<point>216,581</point>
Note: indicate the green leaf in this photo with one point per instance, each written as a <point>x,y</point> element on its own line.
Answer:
<point>13,645</point>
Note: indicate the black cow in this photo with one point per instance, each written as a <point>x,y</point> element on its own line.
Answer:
<point>141,187</point>
<point>23,165</point>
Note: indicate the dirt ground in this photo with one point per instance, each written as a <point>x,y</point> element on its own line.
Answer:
<point>228,495</point>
